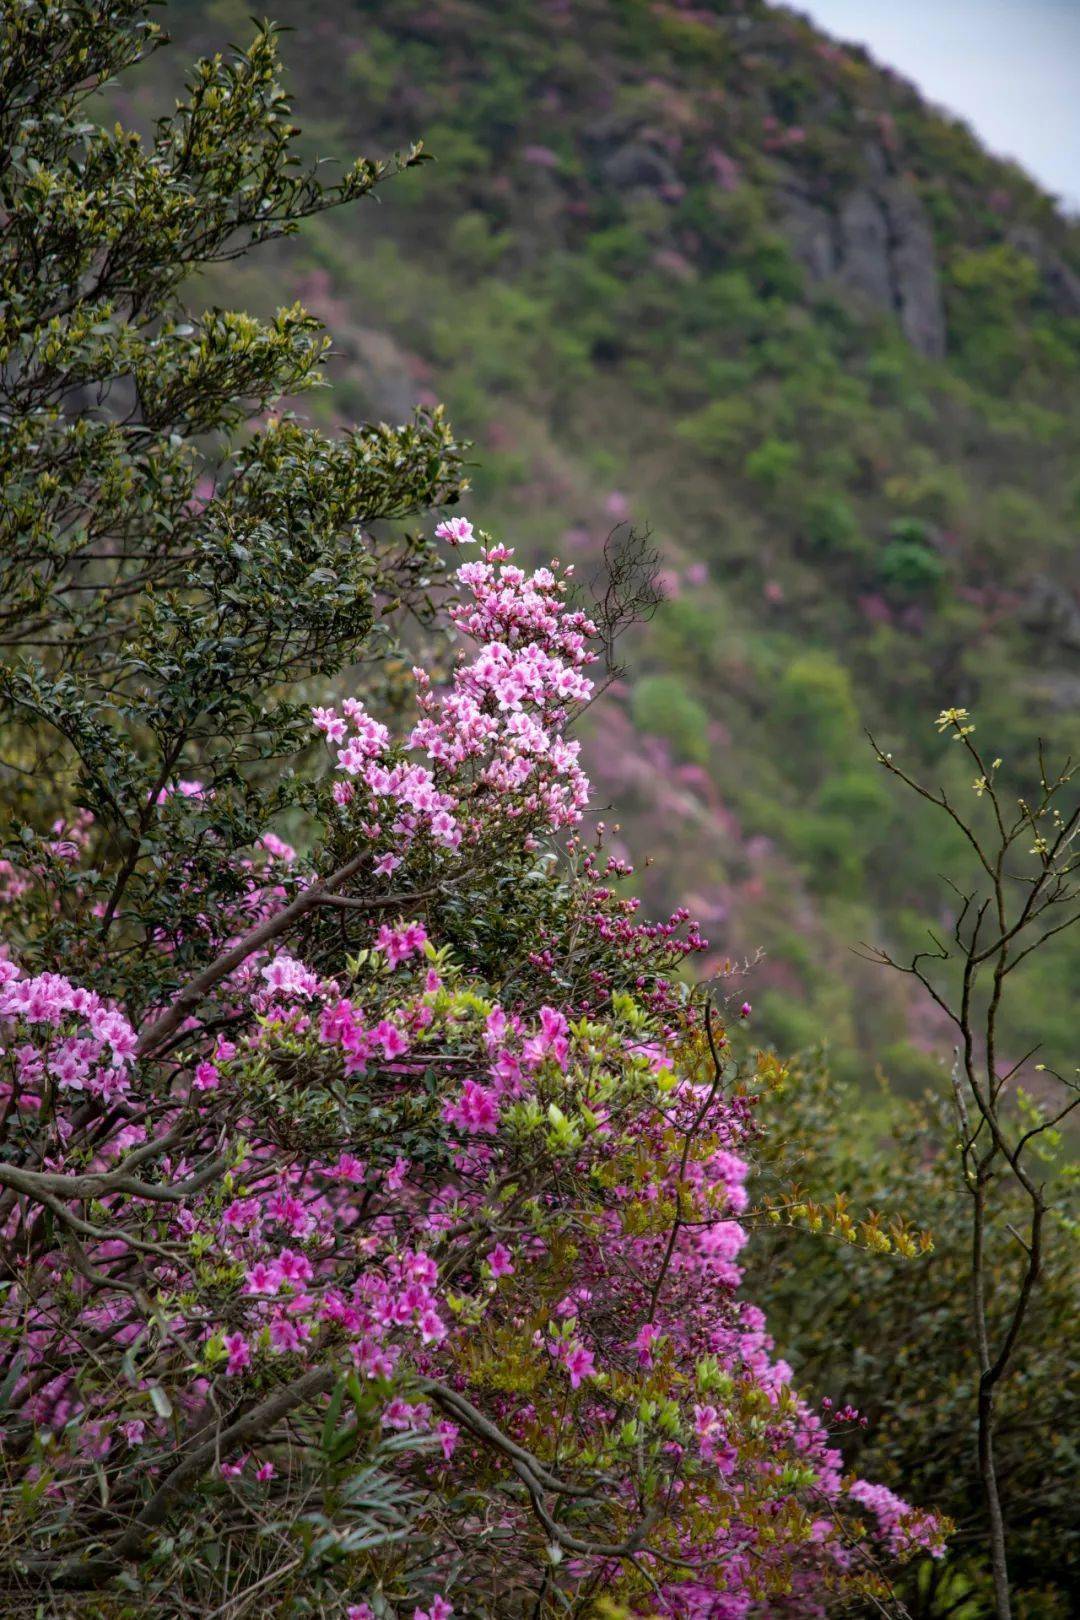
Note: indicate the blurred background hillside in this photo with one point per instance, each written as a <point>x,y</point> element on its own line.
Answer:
<point>704,269</point>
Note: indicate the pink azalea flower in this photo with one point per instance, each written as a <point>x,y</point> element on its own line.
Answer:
<point>263,1279</point>
<point>294,1267</point>
<point>643,1344</point>
<point>284,1336</point>
<point>457,530</point>
<point>448,1437</point>
<point>432,1327</point>
<point>392,1040</point>
<point>579,1363</point>
<point>396,1174</point>
<point>439,1610</point>
<point>500,1262</point>
<point>239,1354</point>
<point>475,1110</point>
<point>206,1077</point>
<point>349,1169</point>
<point>332,724</point>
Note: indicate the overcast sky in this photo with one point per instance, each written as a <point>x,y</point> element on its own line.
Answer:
<point>1009,68</point>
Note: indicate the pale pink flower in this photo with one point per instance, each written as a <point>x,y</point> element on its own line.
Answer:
<point>457,530</point>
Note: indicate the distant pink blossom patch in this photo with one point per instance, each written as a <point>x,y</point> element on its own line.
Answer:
<point>726,170</point>
<point>542,157</point>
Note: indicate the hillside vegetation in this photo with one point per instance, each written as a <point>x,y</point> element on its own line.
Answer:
<point>706,270</point>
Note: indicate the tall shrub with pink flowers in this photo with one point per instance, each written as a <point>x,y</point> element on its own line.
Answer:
<point>372,1215</point>
<point>367,1201</point>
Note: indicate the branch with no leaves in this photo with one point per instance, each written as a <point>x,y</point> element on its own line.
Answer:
<point>991,934</point>
<point>625,589</point>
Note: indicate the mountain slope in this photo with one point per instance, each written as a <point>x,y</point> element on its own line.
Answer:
<point>701,267</point>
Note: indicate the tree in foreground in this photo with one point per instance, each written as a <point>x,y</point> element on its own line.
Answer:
<point>836,1313</point>
<point>371,1216</point>
<point>986,1163</point>
<point>1024,896</point>
<point>178,552</point>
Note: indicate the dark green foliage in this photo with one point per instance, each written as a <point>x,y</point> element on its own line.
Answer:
<point>815,710</point>
<point>178,551</point>
<point>909,564</point>
<point>831,524</point>
<point>895,1339</point>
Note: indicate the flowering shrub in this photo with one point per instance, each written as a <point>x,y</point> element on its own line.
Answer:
<point>408,1229</point>
<point>372,1214</point>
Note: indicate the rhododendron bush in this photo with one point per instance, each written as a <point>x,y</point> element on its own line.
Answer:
<point>414,1256</point>
<point>372,1181</point>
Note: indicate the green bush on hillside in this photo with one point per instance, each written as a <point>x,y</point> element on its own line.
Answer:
<point>816,709</point>
<point>663,706</point>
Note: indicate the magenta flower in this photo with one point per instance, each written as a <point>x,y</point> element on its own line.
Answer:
<point>392,1040</point>
<point>439,1610</point>
<point>294,1267</point>
<point>348,1169</point>
<point>396,1174</point>
<point>206,1077</point>
<point>432,1327</point>
<point>239,1354</point>
<point>579,1363</point>
<point>475,1110</point>
<point>263,1279</point>
<point>500,1262</point>
<point>448,1437</point>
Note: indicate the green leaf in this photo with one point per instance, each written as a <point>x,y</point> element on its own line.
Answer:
<point>333,1414</point>
<point>160,1401</point>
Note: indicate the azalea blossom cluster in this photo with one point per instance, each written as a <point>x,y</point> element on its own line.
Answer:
<point>493,740</point>
<point>354,1251</point>
<point>78,1042</point>
<point>652,953</point>
<point>497,1217</point>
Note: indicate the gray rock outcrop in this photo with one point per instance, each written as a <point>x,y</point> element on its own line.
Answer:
<point>879,244</point>
<point>1050,609</point>
<point>1060,281</point>
<point>913,262</point>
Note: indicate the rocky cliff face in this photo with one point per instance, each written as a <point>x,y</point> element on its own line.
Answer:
<point>1060,282</point>
<point>876,240</point>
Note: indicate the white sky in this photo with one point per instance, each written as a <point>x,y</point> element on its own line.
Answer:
<point>1009,68</point>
